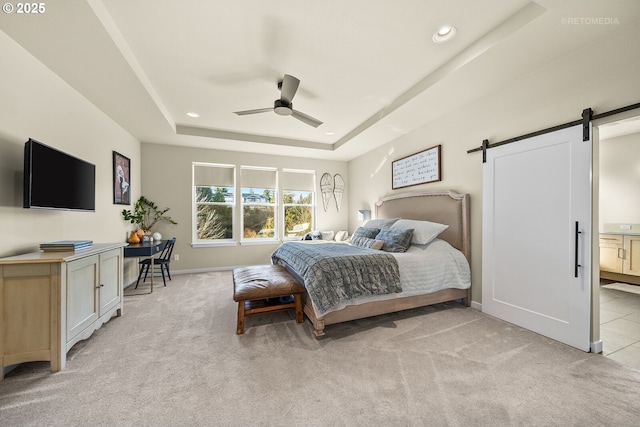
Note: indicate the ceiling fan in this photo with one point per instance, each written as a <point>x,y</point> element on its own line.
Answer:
<point>283,106</point>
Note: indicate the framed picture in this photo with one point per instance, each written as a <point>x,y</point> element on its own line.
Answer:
<point>418,168</point>
<point>121,179</point>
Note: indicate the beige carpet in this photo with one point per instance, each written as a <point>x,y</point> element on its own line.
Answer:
<point>625,287</point>
<point>174,359</point>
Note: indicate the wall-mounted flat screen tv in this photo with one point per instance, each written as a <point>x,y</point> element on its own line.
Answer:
<point>56,180</point>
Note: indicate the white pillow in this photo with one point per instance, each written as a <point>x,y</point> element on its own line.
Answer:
<point>423,231</point>
<point>327,235</point>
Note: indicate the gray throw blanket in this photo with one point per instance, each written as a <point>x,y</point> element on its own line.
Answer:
<point>334,273</point>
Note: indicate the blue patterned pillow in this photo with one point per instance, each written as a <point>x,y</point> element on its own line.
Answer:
<point>395,239</point>
<point>367,232</point>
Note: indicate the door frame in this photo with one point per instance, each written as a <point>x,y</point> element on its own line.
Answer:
<point>596,341</point>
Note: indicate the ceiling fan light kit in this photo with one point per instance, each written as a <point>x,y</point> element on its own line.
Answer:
<point>283,106</point>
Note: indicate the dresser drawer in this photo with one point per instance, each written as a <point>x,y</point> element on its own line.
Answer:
<point>611,240</point>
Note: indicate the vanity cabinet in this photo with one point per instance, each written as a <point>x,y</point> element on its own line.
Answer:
<point>611,253</point>
<point>620,255</point>
<point>51,300</point>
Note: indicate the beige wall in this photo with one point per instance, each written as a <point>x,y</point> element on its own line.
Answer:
<point>35,103</point>
<point>166,179</point>
<point>620,182</point>
<point>599,77</point>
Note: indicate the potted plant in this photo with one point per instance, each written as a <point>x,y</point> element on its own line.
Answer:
<point>146,214</point>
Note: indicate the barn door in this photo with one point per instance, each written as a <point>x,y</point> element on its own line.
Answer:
<point>536,250</point>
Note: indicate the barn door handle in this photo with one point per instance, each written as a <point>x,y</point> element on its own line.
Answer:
<point>576,251</point>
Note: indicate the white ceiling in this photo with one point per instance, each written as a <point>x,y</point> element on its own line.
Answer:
<point>368,69</point>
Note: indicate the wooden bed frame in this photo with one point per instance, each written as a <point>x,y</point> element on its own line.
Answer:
<point>444,207</point>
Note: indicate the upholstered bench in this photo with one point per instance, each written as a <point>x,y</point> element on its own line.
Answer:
<point>264,288</point>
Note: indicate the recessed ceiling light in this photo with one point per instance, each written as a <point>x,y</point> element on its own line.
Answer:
<point>192,114</point>
<point>330,133</point>
<point>444,33</point>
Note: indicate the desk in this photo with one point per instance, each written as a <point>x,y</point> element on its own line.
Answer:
<point>144,250</point>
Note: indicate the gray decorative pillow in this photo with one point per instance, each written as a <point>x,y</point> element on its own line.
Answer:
<point>365,232</point>
<point>365,242</point>
<point>395,239</point>
<point>380,223</point>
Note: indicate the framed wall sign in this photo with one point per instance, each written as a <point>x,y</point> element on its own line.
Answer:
<point>121,179</point>
<point>418,168</point>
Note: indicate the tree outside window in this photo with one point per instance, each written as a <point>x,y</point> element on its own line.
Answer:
<point>298,212</point>
<point>258,210</point>
<point>214,202</point>
<point>214,213</point>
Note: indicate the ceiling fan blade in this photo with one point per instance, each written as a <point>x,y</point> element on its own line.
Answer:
<point>289,88</point>
<point>306,118</point>
<point>259,110</point>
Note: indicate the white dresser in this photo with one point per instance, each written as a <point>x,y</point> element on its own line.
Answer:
<point>51,300</point>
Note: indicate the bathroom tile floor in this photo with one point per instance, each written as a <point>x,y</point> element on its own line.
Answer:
<point>620,326</point>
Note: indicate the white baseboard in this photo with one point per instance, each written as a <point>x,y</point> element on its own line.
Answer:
<point>203,270</point>
<point>596,347</point>
<point>476,305</point>
<point>189,271</point>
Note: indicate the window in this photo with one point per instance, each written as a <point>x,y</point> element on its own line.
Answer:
<point>214,202</point>
<point>298,201</point>
<point>259,202</point>
<point>250,204</point>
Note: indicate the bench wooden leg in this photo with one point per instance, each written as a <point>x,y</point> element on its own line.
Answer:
<point>246,308</point>
<point>299,315</point>
<point>240,326</point>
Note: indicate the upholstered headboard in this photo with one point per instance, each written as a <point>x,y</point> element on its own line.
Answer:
<point>444,207</point>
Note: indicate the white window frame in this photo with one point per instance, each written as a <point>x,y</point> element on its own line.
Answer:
<point>195,242</point>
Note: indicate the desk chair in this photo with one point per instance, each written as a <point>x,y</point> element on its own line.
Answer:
<point>162,261</point>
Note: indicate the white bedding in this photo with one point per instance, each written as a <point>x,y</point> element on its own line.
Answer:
<point>429,268</point>
<point>424,269</point>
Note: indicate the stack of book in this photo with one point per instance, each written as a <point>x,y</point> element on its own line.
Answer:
<point>66,245</point>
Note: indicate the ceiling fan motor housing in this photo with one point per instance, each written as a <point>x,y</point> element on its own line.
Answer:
<point>282,108</point>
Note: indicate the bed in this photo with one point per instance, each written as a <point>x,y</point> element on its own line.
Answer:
<point>443,207</point>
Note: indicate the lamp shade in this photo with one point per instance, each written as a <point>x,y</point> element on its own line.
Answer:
<point>364,215</point>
